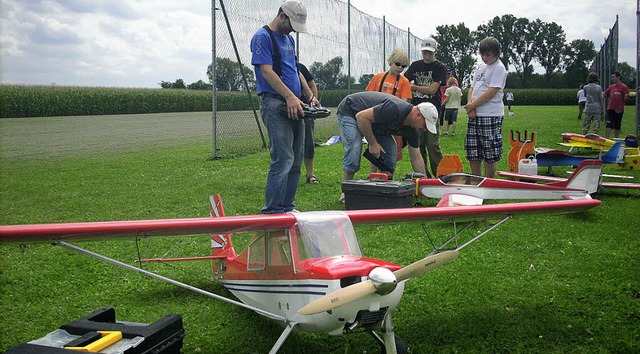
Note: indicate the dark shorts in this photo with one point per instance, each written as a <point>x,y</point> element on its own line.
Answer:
<point>309,143</point>
<point>451,115</point>
<point>614,119</point>
<point>484,139</point>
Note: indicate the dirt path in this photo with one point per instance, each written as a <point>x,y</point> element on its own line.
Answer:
<point>83,135</point>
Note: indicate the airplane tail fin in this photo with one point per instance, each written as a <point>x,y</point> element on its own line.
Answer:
<point>221,245</point>
<point>615,154</point>
<point>586,177</point>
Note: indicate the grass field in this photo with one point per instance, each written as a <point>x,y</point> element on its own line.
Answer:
<point>539,284</point>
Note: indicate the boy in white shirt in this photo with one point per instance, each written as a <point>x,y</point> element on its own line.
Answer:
<point>483,144</point>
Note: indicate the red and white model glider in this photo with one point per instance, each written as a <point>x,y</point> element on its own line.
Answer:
<point>471,189</point>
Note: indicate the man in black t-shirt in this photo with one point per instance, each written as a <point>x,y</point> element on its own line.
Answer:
<point>377,117</point>
<point>426,77</point>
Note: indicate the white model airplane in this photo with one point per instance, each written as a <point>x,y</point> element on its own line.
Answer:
<point>450,188</point>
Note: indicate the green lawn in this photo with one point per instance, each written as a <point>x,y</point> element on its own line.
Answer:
<point>545,283</point>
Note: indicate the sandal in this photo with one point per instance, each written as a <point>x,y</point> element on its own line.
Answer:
<point>313,180</point>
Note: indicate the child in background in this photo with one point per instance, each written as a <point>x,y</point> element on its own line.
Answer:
<point>451,104</point>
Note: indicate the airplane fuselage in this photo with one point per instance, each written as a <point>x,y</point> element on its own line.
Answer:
<point>489,188</point>
<point>282,291</point>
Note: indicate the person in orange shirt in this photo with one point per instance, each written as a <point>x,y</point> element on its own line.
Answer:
<point>394,83</point>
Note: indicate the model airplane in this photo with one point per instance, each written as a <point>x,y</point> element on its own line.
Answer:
<point>631,160</point>
<point>475,189</point>
<point>305,270</point>
<point>552,157</point>
<point>593,141</point>
<point>539,178</point>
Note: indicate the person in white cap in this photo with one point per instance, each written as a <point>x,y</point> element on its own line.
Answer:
<point>279,85</point>
<point>426,77</point>
<point>376,116</point>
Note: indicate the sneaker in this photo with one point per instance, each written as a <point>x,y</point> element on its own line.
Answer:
<point>453,134</point>
<point>445,133</point>
<point>341,200</point>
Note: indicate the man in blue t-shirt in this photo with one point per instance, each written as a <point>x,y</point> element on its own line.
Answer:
<point>278,83</point>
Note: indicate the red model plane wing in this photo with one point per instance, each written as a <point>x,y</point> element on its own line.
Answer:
<point>235,224</point>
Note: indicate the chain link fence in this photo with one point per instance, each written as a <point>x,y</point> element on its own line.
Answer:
<point>335,30</point>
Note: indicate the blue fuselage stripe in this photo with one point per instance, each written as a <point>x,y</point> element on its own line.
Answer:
<point>306,289</point>
<point>266,291</point>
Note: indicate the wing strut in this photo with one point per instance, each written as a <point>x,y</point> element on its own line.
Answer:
<point>168,280</point>
<point>285,333</point>
<point>485,232</point>
<point>458,233</point>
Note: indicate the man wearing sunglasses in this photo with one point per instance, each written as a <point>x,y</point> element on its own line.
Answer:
<point>426,77</point>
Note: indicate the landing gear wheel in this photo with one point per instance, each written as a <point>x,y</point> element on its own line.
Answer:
<point>401,347</point>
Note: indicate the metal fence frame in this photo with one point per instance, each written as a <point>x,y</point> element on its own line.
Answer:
<point>330,22</point>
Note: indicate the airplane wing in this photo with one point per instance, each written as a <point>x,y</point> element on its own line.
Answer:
<point>235,224</point>
<point>544,150</point>
<point>576,144</point>
<point>621,185</point>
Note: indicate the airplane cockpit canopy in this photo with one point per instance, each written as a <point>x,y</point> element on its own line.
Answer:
<point>461,178</point>
<point>326,234</point>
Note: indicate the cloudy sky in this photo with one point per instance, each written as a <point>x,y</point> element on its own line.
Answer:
<point>127,43</point>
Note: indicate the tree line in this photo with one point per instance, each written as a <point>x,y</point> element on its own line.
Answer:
<point>525,43</point>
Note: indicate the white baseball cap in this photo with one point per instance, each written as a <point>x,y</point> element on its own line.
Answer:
<point>430,114</point>
<point>297,13</point>
<point>429,44</point>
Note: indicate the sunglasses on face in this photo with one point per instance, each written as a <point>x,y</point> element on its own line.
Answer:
<point>400,65</point>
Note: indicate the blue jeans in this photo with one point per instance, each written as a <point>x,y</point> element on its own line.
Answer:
<point>286,138</point>
<point>352,142</point>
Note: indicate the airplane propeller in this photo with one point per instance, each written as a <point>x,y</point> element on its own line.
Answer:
<point>381,281</point>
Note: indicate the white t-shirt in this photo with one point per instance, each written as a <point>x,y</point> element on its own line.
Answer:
<point>494,75</point>
<point>581,96</point>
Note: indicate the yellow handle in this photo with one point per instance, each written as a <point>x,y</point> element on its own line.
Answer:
<point>108,338</point>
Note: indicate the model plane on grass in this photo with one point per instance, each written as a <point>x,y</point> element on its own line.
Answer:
<point>539,178</point>
<point>591,141</point>
<point>631,160</point>
<point>304,270</point>
<point>462,188</point>
<point>552,157</point>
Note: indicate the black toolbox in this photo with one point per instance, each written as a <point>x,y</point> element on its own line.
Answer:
<point>164,336</point>
<point>378,194</point>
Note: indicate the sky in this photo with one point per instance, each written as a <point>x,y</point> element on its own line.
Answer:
<point>125,43</point>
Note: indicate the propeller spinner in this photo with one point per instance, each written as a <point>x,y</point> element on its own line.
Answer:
<point>381,281</point>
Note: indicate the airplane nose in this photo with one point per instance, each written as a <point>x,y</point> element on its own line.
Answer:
<point>384,280</point>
